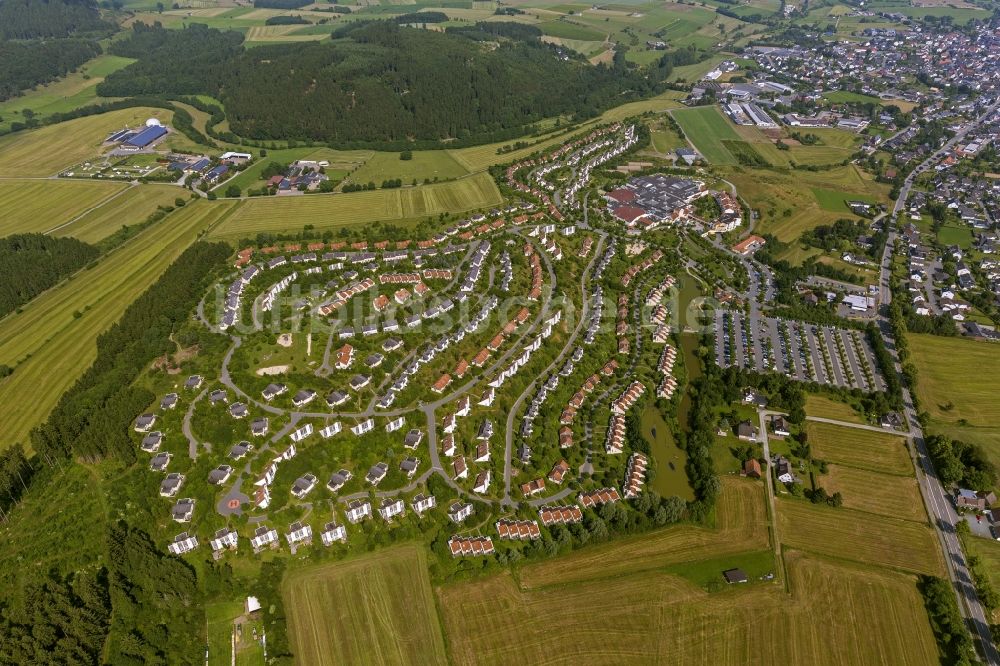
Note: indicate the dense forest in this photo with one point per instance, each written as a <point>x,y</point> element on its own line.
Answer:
<point>24,65</point>
<point>31,263</point>
<point>377,81</point>
<point>42,40</point>
<point>51,19</point>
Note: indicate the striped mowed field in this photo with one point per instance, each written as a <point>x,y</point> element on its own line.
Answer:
<point>332,211</point>
<point>860,537</point>
<point>659,618</point>
<point>378,609</point>
<point>130,207</point>
<point>53,340</point>
<point>38,206</point>
<point>864,449</point>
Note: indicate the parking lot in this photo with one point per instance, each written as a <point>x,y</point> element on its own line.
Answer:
<point>799,350</point>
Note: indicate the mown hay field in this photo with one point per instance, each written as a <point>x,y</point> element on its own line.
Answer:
<point>332,211</point>
<point>876,492</point>
<point>742,527</point>
<point>652,617</point>
<point>951,374</point>
<point>378,609</point>
<point>53,340</point>
<point>130,207</point>
<point>861,537</point>
<point>50,149</point>
<point>865,449</point>
<point>37,206</point>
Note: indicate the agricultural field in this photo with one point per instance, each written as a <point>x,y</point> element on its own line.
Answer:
<point>283,214</point>
<point>377,609</point>
<point>787,203</point>
<point>48,150</point>
<point>132,206</point>
<point>844,533</point>
<point>52,341</point>
<point>661,618</point>
<point>66,94</point>
<point>44,205</point>
<point>707,129</point>
<point>944,367</point>
<point>863,449</point>
<point>876,492</point>
<point>959,408</point>
<point>430,164</point>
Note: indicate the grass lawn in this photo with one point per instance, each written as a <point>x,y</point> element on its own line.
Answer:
<point>219,629</point>
<point>707,128</point>
<point>48,150</point>
<point>863,449</point>
<point>52,341</point>
<point>376,609</point>
<point>844,533</point>
<point>332,211</point>
<point>836,201</point>
<point>42,205</point>
<point>425,164</point>
<point>959,235</point>
<point>68,93</point>
<point>131,207</point>
<point>817,405</point>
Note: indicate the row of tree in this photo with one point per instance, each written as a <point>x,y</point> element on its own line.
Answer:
<point>31,263</point>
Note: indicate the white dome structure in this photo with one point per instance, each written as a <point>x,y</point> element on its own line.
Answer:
<point>153,122</point>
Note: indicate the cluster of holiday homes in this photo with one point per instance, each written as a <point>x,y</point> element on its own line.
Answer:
<point>649,201</point>
<point>431,350</point>
<point>614,440</point>
<point>621,325</point>
<point>665,366</point>
<point>484,434</point>
<point>568,415</point>
<point>538,190</point>
<point>607,150</point>
<point>528,530</point>
<point>658,314</point>
<point>641,267</point>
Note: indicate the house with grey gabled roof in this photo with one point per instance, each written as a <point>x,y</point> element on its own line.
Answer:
<point>152,441</point>
<point>171,485</point>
